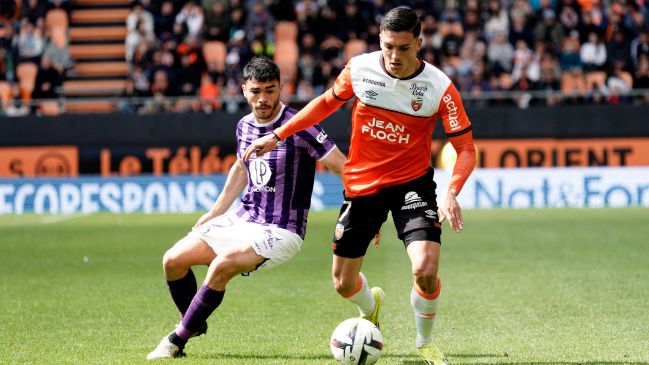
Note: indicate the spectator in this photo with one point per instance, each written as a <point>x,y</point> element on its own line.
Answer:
<point>140,19</point>
<point>641,76</point>
<point>593,54</point>
<point>165,20</point>
<point>619,49</point>
<point>549,30</point>
<point>189,21</point>
<point>209,93</point>
<point>59,57</point>
<point>29,42</point>
<point>497,20</point>
<point>500,53</point>
<point>134,38</point>
<point>33,10</point>
<point>217,22</point>
<point>640,46</point>
<point>48,80</point>
<point>260,23</point>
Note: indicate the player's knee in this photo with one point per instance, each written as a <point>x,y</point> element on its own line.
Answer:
<point>342,286</point>
<point>172,263</point>
<point>424,271</point>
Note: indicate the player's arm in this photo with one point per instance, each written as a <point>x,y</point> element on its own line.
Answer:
<point>458,130</point>
<point>334,161</point>
<point>234,185</point>
<point>313,113</point>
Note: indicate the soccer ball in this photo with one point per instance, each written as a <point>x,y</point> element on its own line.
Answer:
<point>356,341</point>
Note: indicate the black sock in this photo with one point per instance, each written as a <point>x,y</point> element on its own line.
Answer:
<point>183,291</point>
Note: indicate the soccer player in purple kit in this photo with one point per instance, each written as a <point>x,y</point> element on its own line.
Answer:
<point>269,224</point>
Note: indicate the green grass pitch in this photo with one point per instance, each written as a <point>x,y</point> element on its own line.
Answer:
<point>519,287</point>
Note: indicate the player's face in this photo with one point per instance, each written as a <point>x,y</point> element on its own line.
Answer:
<point>400,52</point>
<point>263,98</point>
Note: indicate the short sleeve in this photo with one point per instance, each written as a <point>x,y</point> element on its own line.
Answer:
<point>316,141</point>
<point>342,88</point>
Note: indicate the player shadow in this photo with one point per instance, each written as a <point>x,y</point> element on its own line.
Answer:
<point>253,356</point>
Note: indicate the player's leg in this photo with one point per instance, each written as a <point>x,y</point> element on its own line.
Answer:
<point>425,294</point>
<point>177,263</point>
<point>224,267</point>
<point>359,220</point>
<point>414,210</point>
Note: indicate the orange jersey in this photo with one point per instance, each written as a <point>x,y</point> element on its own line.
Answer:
<point>392,124</point>
<point>393,121</point>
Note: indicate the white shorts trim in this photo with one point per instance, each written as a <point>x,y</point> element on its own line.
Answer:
<point>228,231</point>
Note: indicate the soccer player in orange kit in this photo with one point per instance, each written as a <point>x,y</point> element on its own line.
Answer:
<point>398,100</point>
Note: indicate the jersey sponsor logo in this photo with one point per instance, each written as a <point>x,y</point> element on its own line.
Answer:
<point>386,131</point>
<point>412,201</point>
<point>418,90</point>
<point>321,137</point>
<point>260,173</point>
<point>416,102</point>
<point>371,94</point>
<point>452,111</point>
<point>373,82</point>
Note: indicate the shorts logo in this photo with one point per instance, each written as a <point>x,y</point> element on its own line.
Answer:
<point>321,137</point>
<point>416,102</point>
<point>340,230</point>
<point>413,201</point>
<point>411,197</point>
<point>431,214</point>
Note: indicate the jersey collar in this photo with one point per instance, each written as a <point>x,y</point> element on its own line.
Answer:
<point>279,115</point>
<point>415,74</point>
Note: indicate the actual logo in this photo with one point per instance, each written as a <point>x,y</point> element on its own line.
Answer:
<point>416,102</point>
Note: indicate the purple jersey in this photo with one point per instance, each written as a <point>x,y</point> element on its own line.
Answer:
<point>281,181</point>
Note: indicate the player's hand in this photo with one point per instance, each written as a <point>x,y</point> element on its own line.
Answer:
<point>204,218</point>
<point>261,145</point>
<point>450,209</point>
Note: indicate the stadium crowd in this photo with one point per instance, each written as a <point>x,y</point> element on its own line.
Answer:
<point>594,51</point>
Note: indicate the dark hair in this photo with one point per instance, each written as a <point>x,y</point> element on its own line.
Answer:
<point>262,69</point>
<point>402,19</point>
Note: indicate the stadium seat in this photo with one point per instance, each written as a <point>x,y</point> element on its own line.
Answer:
<point>93,87</point>
<point>49,108</point>
<point>101,69</point>
<point>100,15</point>
<point>101,2</point>
<point>56,18</point>
<point>286,57</point>
<point>98,33</point>
<point>354,47</point>
<point>214,53</point>
<point>285,31</point>
<point>97,51</point>
<point>26,73</point>
<point>89,107</point>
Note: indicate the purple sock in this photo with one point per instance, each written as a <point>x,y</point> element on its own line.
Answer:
<point>183,291</point>
<point>203,304</point>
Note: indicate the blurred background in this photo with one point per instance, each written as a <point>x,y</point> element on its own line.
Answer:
<point>131,105</point>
